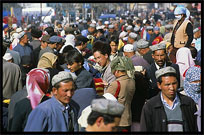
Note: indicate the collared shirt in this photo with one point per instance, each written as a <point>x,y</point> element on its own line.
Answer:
<point>175,102</point>
<point>158,67</point>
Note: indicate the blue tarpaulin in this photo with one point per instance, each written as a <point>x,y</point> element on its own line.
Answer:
<point>6,13</point>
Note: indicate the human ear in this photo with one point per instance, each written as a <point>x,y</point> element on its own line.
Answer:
<point>99,121</point>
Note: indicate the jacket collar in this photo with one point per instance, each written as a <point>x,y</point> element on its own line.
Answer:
<point>180,96</point>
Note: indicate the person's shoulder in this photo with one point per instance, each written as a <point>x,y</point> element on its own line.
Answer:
<point>11,65</point>
<point>154,101</point>
<point>186,99</point>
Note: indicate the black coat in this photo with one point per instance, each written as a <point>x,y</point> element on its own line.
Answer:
<point>154,119</point>
<point>150,75</point>
<point>148,57</point>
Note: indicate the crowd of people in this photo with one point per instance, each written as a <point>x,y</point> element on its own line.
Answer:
<point>124,74</point>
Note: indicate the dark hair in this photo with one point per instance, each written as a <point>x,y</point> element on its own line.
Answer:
<point>57,85</point>
<point>194,51</point>
<point>4,49</point>
<point>78,43</point>
<point>102,47</point>
<point>114,39</point>
<point>148,22</point>
<point>139,21</point>
<point>167,74</point>
<point>67,48</point>
<point>94,115</point>
<point>74,56</point>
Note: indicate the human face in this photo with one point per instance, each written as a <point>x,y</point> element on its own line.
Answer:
<point>101,59</point>
<point>84,46</point>
<point>150,31</point>
<point>114,47</point>
<point>44,44</point>
<point>25,39</point>
<point>91,29</point>
<point>110,127</point>
<point>141,51</point>
<point>168,87</point>
<point>159,57</point>
<point>111,30</point>
<point>65,92</point>
<point>130,40</point>
<point>74,67</point>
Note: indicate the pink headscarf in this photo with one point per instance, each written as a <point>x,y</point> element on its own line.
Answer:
<point>184,60</point>
<point>37,84</point>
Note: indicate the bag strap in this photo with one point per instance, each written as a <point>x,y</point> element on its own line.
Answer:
<point>117,91</point>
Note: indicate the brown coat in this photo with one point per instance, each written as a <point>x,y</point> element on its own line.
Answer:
<point>127,90</point>
<point>181,36</point>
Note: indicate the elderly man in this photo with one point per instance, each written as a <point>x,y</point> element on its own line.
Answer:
<point>136,60</point>
<point>58,113</point>
<point>144,50</point>
<point>169,111</point>
<point>105,115</point>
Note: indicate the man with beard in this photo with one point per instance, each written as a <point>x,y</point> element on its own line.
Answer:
<point>160,61</point>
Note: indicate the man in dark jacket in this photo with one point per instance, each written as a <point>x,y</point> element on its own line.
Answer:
<point>160,61</point>
<point>169,111</point>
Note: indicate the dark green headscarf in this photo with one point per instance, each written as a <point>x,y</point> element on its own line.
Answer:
<point>122,63</point>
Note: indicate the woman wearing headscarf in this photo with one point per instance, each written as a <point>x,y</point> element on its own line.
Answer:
<point>192,83</point>
<point>25,66</point>
<point>37,84</point>
<point>184,60</point>
<point>49,61</point>
<point>123,88</point>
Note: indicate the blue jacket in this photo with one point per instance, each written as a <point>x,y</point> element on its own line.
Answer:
<point>23,50</point>
<point>50,116</point>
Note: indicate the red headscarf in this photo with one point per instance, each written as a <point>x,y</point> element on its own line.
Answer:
<point>37,84</point>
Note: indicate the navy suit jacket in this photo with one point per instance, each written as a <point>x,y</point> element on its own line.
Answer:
<point>150,74</point>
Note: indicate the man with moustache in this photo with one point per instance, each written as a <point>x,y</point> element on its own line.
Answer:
<point>59,113</point>
<point>160,61</point>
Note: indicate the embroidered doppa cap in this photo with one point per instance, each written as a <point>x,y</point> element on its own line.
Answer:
<point>136,29</point>
<point>111,26</point>
<point>160,46</point>
<point>128,48</point>
<point>61,76</point>
<point>142,44</point>
<point>106,106</point>
<point>129,27</point>
<point>195,30</point>
<point>149,28</point>
<point>164,71</point>
<point>133,35</point>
